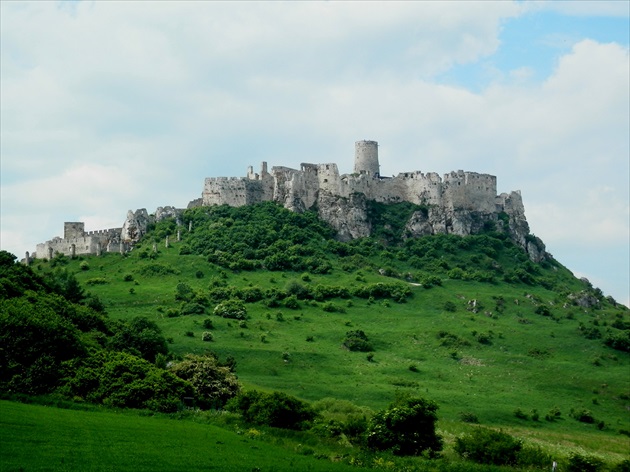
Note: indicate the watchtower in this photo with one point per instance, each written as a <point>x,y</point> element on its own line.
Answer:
<point>366,158</point>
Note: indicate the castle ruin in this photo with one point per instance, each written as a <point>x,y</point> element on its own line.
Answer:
<point>459,202</point>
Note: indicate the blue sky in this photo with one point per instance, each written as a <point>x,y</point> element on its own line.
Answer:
<point>111,106</point>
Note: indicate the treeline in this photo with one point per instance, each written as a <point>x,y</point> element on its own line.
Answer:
<point>57,340</point>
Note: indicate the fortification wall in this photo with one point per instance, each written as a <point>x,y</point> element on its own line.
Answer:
<point>470,191</point>
<point>225,190</point>
<point>91,242</point>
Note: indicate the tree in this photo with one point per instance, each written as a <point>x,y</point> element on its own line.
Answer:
<point>273,409</point>
<point>406,427</point>
<point>213,384</point>
<point>233,308</point>
<point>141,337</point>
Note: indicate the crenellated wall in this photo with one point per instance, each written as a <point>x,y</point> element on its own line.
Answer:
<point>300,189</point>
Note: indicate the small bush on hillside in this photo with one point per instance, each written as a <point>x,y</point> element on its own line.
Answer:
<point>468,417</point>
<point>583,415</point>
<point>96,281</point>
<point>207,336</point>
<point>357,341</point>
<point>214,384</point>
<point>580,463</point>
<point>232,308</point>
<point>619,341</point>
<point>407,428</point>
<point>192,309</point>
<point>84,265</point>
<point>207,324</point>
<point>487,446</point>
<point>273,409</point>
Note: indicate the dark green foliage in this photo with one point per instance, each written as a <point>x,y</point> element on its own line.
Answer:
<point>619,341</point>
<point>583,415</point>
<point>122,380</point>
<point>451,340</point>
<point>191,308</point>
<point>213,383</point>
<point>141,337</point>
<point>406,428</point>
<point>262,235</point>
<point>389,220</point>
<point>487,446</point>
<point>584,463</point>
<point>273,409</point>
<point>156,270</point>
<point>35,338</point>
<point>468,417</point>
<point>357,341</point>
<point>233,308</point>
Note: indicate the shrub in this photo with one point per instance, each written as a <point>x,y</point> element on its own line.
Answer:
<point>96,281</point>
<point>214,384</point>
<point>583,415</point>
<point>207,336</point>
<point>273,409</point>
<point>128,278</point>
<point>207,323</point>
<point>121,380</point>
<point>580,463</point>
<point>468,417</point>
<point>191,308</point>
<point>232,308</point>
<point>487,446</point>
<point>406,427</point>
<point>84,265</point>
<point>357,341</point>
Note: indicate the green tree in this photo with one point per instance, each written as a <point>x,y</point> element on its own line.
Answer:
<point>214,384</point>
<point>406,427</point>
<point>141,337</point>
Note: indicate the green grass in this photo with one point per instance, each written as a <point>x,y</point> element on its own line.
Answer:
<point>39,438</point>
<point>532,362</point>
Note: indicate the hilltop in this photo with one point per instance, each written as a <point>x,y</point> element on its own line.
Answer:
<point>472,322</point>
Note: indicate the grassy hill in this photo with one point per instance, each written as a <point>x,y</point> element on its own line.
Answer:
<point>469,322</point>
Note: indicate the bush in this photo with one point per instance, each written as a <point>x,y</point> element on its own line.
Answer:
<point>357,341</point>
<point>207,336</point>
<point>122,380</point>
<point>580,463</point>
<point>273,409</point>
<point>487,446</point>
<point>406,428</point>
<point>233,308</point>
<point>214,384</point>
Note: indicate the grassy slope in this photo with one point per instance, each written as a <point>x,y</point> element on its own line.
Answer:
<point>490,381</point>
<point>38,438</point>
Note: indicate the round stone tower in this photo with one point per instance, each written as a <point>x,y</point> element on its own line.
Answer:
<point>366,157</point>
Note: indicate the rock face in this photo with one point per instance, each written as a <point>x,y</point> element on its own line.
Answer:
<point>348,216</point>
<point>135,225</point>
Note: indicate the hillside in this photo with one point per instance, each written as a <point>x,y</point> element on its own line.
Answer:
<point>469,322</point>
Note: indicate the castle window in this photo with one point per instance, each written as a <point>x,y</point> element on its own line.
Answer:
<point>325,180</point>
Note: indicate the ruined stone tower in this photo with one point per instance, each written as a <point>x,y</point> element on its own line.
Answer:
<point>366,158</point>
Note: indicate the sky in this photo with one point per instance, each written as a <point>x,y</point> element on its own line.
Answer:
<point>107,107</point>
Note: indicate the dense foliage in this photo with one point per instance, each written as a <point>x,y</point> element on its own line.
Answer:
<point>275,409</point>
<point>407,428</point>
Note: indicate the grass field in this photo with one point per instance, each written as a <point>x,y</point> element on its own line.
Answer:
<point>39,438</point>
